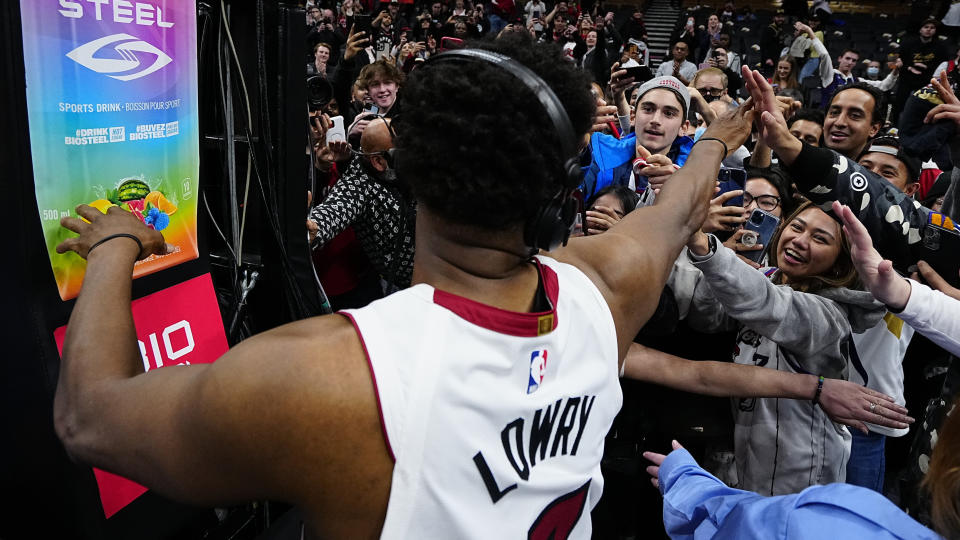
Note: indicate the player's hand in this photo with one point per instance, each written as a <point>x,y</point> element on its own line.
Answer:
<point>733,127</point>
<point>657,460</point>
<point>95,226</point>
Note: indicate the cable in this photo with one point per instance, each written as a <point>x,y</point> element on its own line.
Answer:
<point>228,168</point>
<point>203,195</point>
<point>268,188</point>
<point>246,98</point>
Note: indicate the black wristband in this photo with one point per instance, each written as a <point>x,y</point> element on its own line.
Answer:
<point>118,235</point>
<point>816,396</point>
<point>725,151</point>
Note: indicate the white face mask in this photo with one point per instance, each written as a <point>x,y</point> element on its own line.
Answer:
<point>873,71</point>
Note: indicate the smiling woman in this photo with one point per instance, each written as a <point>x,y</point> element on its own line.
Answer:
<point>800,320</point>
<point>812,252</point>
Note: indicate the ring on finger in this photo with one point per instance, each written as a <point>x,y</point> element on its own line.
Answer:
<point>873,406</point>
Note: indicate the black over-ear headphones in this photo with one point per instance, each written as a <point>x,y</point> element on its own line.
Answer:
<point>390,154</point>
<point>551,226</point>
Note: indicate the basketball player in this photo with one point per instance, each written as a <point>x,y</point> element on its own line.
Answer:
<point>473,404</point>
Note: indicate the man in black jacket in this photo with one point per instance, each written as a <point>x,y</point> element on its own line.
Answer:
<point>895,221</point>
<point>921,54</point>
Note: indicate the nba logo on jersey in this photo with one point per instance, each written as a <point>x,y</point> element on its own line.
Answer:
<point>538,367</point>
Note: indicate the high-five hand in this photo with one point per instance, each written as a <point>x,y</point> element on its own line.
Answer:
<point>771,123</point>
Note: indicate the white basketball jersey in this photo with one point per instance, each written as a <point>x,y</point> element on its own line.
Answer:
<point>495,419</point>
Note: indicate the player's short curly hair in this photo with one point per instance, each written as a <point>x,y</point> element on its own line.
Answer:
<point>476,145</point>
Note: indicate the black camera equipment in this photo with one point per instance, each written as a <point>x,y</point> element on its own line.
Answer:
<point>319,92</point>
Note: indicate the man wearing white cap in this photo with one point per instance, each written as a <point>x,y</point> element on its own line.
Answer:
<point>662,105</point>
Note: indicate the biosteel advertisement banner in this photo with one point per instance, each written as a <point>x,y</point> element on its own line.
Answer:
<point>112,105</point>
<point>179,325</point>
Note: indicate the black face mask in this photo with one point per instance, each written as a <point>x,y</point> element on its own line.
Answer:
<point>387,177</point>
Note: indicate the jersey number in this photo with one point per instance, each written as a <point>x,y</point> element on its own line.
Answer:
<point>561,516</point>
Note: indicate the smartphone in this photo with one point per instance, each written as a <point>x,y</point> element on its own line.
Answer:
<point>447,43</point>
<point>581,218</point>
<point>765,225</point>
<point>336,131</point>
<point>941,248</point>
<point>370,108</point>
<point>361,23</point>
<point>730,180</point>
<point>640,74</point>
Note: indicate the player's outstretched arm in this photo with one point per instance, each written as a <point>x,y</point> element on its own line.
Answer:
<point>289,415</point>
<point>630,263</point>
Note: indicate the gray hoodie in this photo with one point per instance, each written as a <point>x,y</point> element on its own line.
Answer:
<point>781,445</point>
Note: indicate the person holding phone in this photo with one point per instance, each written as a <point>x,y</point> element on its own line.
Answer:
<point>800,319</point>
<point>382,81</point>
<point>766,189</point>
<point>325,30</point>
<point>535,10</point>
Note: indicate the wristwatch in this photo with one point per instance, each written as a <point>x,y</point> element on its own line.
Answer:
<point>711,243</point>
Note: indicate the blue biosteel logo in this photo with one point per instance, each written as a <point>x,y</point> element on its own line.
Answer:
<point>127,48</point>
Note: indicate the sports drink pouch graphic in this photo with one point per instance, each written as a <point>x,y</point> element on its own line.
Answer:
<point>112,106</point>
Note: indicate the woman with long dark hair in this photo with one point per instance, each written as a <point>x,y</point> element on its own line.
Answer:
<point>797,317</point>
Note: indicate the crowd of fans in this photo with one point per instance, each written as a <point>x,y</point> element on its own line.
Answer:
<point>875,130</point>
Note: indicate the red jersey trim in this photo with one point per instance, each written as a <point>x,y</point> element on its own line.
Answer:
<point>376,390</point>
<point>502,321</point>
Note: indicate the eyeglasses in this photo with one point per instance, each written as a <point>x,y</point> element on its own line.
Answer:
<point>768,203</point>
<point>710,91</point>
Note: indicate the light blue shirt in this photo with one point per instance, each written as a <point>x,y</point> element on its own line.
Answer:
<point>697,505</point>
